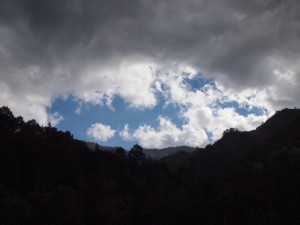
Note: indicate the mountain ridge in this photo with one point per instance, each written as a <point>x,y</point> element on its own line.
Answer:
<point>154,153</point>
<point>282,130</point>
<point>48,177</point>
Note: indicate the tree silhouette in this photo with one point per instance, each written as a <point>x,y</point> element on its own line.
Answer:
<point>136,154</point>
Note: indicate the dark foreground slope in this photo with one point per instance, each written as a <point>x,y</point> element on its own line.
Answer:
<point>47,177</point>
<point>248,177</point>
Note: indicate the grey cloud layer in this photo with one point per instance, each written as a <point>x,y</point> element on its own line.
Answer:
<point>48,47</point>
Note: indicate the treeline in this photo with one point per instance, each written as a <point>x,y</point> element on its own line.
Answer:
<point>48,177</point>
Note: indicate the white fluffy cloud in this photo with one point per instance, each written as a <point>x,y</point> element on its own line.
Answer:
<point>205,119</point>
<point>166,135</point>
<point>55,118</point>
<point>204,125</point>
<point>215,121</point>
<point>100,132</point>
<point>28,105</point>
<point>130,80</point>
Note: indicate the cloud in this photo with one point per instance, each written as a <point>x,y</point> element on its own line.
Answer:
<point>167,134</point>
<point>209,107</point>
<point>217,121</point>
<point>100,132</point>
<point>125,133</point>
<point>204,125</point>
<point>55,118</point>
<point>100,49</point>
<point>206,113</point>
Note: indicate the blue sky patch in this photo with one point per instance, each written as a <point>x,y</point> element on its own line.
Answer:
<point>122,114</point>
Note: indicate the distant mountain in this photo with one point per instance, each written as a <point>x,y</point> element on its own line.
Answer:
<point>94,146</point>
<point>156,153</point>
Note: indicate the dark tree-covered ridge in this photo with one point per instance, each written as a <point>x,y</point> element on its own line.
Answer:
<point>48,177</point>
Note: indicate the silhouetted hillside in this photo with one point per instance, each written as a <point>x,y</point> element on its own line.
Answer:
<point>282,120</point>
<point>281,131</point>
<point>48,177</point>
<point>177,160</point>
<point>256,174</point>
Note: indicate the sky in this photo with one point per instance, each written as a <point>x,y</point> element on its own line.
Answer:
<point>158,73</point>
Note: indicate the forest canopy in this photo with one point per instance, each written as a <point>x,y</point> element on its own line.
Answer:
<point>48,177</point>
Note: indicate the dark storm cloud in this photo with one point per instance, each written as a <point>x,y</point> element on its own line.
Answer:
<point>238,42</point>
